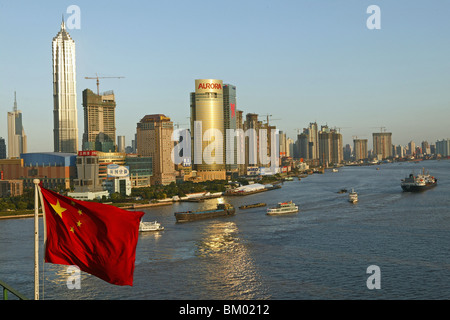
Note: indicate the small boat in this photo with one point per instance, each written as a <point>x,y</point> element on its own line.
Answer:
<point>254,205</point>
<point>150,226</point>
<point>420,182</point>
<point>289,179</point>
<point>335,170</point>
<point>353,197</point>
<point>283,208</point>
<point>342,191</point>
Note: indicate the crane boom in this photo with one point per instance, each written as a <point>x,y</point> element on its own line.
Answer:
<point>98,82</point>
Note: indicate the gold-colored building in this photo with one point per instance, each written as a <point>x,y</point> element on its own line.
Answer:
<point>154,139</point>
<point>207,126</point>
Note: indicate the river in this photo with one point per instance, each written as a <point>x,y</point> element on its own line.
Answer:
<point>322,252</point>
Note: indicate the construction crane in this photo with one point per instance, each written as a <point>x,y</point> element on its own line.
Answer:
<point>267,116</point>
<point>98,82</point>
<point>339,128</point>
<point>382,129</point>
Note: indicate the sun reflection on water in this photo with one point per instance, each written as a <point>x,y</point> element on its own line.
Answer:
<point>234,274</point>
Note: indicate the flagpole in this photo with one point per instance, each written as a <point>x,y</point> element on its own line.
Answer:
<point>36,239</point>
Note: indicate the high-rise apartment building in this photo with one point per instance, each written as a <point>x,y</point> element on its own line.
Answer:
<point>360,149</point>
<point>17,140</point>
<point>426,147</point>
<point>443,147</point>
<point>65,124</point>
<point>330,146</point>
<point>154,139</point>
<point>313,141</point>
<point>207,126</point>
<point>411,148</point>
<point>121,144</point>
<point>2,148</point>
<point>241,147</point>
<point>229,115</point>
<point>99,121</point>
<point>382,145</point>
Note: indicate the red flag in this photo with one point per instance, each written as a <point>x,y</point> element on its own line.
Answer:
<point>100,239</point>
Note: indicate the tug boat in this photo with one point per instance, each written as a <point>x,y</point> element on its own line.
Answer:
<point>420,182</point>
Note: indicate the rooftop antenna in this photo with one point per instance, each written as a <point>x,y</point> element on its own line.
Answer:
<point>15,102</point>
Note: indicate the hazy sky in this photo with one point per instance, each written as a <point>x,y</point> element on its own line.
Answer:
<point>300,61</point>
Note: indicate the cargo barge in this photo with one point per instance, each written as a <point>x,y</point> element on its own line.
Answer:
<point>223,209</point>
<point>254,205</point>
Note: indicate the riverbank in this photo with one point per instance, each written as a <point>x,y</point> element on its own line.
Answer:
<point>30,213</point>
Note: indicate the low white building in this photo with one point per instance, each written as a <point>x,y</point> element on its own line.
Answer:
<point>119,185</point>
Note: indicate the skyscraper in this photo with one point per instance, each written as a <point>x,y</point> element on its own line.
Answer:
<point>2,149</point>
<point>330,146</point>
<point>360,149</point>
<point>382,144</point>
<point>17,140</point>
<point>99,121</point>
<point>229,114</point>
<point>154,139</point>
<point>207,126</point>
<point>65,127</point>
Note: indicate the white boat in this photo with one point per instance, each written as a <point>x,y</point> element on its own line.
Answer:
<point>150,226</point>
<point>353,197</point>
<point>335,170</point>
<point>283,208</point>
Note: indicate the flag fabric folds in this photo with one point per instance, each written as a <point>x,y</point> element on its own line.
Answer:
<point>100,239</point>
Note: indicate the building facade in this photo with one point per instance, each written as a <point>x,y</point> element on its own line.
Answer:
<point>2,148</point>
<point>382,145</point>
<point>65,125</point>
<point>230,123</point>
<point>99,121</point>
<point>443,147</point>
<point>55,170</point>
<point>17,140</point>
<point>330,146</point>
<point>154,139</point>
<point>141,170</point>
<point>207,126</point>
<point>360,149</point>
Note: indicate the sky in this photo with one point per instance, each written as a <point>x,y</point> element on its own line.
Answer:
<point>300,61</point>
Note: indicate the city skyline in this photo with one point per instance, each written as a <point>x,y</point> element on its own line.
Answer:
<point>301,62</point>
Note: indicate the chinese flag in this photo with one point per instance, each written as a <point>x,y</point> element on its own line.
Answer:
<point>100,239</point>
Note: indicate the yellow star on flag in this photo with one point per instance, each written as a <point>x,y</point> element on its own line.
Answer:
<point>58,209</point>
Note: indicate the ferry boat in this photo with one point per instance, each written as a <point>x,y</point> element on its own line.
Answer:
<point>420,182</point>
<point>223,209</point>
<point>150,226</point>
<point>353,197</point>
<point>283,208</point>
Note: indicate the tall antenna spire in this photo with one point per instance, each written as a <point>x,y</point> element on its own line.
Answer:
<point>15,102</point>
<point>63,26</point>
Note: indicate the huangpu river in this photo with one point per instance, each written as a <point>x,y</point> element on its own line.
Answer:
<point>321,253</point>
